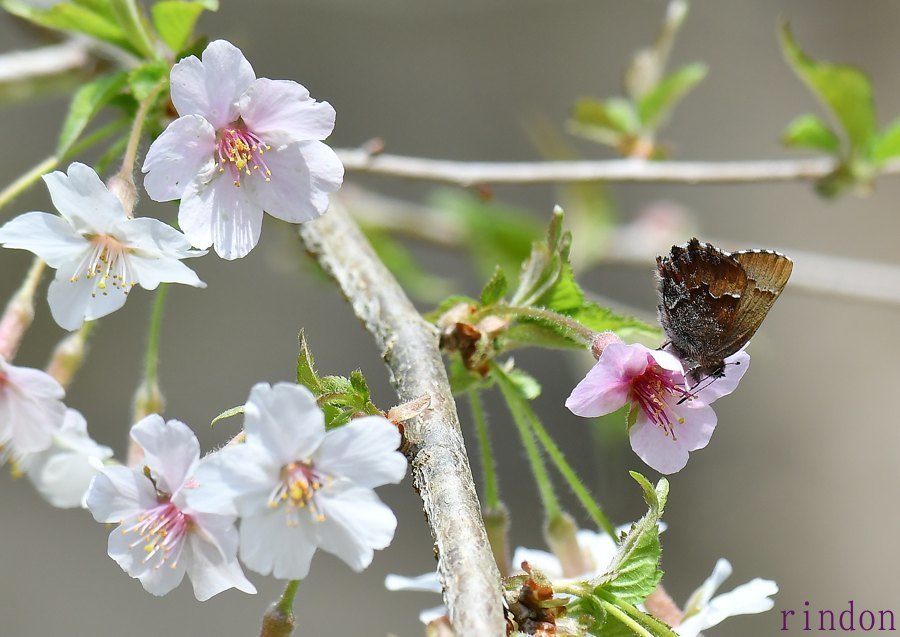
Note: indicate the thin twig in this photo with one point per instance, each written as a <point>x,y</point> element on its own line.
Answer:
<point>470,173</point>
<point>44,62</point>
<point>438,458</point>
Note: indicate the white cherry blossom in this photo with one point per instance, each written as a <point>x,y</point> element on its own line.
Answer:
<point>98,251</point>
<point>31,410</point>
<point>241,146</point>
<point>297,488</point>
<point>159,537</point>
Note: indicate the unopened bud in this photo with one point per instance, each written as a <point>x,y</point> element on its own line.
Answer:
<point>661,605</point>
<point>68,357</point>
<point>147,400</point>
<point>496,524</point>
<point>492,325</point>
<point>561,536</point>
<point>125,191</point>
<point>277,623</point>
<point>601,340</point>
<point>19,313</point>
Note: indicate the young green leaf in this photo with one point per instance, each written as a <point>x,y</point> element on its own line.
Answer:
<point>228,413</point>
<point>86,103</point>
<point>135,26</point>
<point>809,131</point>
<point>94,19</point>
<point>526,385</point>
<point>634,572</point>
<point>174,21</point>
<point>615,114</point>
<point>846,91</point>
<point>495,289</point>
<point>887,146</point>
<point>146,78</point>
<point>306,370</point>
<point>656,105</point>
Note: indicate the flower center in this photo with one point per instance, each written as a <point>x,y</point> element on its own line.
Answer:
<point>106,259</point>
<point>241,152</point>
<point>654,391</point>
<point>297,491</point>
<point>162,531</point>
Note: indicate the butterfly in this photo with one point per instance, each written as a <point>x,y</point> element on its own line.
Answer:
<point>712,302</point>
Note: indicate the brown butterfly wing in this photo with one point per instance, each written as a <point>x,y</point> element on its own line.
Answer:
<point>767,273</point>
<point>700,289</point>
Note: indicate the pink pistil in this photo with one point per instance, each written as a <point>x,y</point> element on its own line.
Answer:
<point>241,151</point>
<point>651,389</point>
<point>162,530</point>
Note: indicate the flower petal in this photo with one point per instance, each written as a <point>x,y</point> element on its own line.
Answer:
<point>157,578</point>
<point>211,571</point>
<point>545,562</point>
<point>270,545</point>
<point>185,150</point>
<point>736,366</point>
<point>700,597</point>
<point>31,408</point>
<point>171,450</point>
<point>603,390</point>
<point>285,420</point>
<point>663,452</point>
<point>118,493</point>
<point>220,214</point>
<point>426,583</point>
<point>303,175</point>
<point>212,88</point>
<point>355,522</point>
<point>234,480</point>
<point>71,304</point>
<point>50,237</point>
<point>84,200</point>
<point>283,110</point>
<point>365,451</point>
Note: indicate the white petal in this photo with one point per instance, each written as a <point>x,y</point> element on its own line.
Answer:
<point>600,547</point>
<point>211,572</point>
<point>747,599</point>
<point>285,420</point>
<point>151,272</point>
<point>700,597</point>
<point>355,522</point>
<point>31,409</point>
<point>427,583</point>
<point>184,151</point>
<point>150,237</point>
<point>545,562</point>
<point>234,480</point>
<point>50,237</point>
<point>156,576</point>
<point>303,175</point>
<point>83,199</point>
<point>171,450</point>
<point>430,614</point>
<point>221,214</point>
<point>283,110</point>
<point>365,451</point>
<point>212,88</point>
<point>73,303</point>
<point>269,545</point>
<point>118,493</point>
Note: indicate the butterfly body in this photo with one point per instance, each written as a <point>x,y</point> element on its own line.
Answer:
<point>712,302</point>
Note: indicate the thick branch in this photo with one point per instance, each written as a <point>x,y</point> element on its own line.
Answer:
<point>469,173</point>
<point>440,466</point>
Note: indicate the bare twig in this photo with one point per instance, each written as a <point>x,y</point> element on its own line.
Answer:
<point>43,62</point>
<point>469,173</point>
<point>440,466</point>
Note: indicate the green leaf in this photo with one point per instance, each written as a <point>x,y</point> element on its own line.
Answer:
<point>634,572</point>
<point>602,319</point>
<point>360,386</point>
<point>228,413</point>
<point>887,145</point>
<point>614,114</point>
<point>135,26</point>
<point>86,103</point>
<point>543,266</point>
<point>145,78</point>
<point>526,385</point>
<point>846,91</point>
<point>809,131</point>
<point>306,369</point>
<point>174,21</point>
<point>495,289</point>
<point>656,105</point>
<point>91,18</point>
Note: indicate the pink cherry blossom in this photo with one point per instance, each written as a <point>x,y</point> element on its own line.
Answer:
<point>668,419</point>
<point>241,146</point>
<point>160,537</point>
<point>31,410</point>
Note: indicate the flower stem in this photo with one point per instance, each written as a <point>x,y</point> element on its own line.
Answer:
<point>24,182</point>
<point>151,356</point>
<point>619,614</point>
<point>491,484</point>
<point>279,619</point>
<point>549,500</point>
<point>122,183</point>
<point>581,492</point>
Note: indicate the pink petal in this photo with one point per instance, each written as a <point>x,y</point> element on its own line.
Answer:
<point>606,386</point>
<point>184,151</point>
<point>303,175</point>
<point>212,88</point>
<point>736,366</point>
<point>282,110</point>
<point>663,452</point>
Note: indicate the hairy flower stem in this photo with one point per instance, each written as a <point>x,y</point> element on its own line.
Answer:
<point>550,502</point>
<point>279,619</point>
<point>122,183</point>
<point>608,600</point>
<point>491,484</point>
<point>19,312</point>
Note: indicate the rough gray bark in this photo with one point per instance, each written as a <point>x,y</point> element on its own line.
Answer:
<point>440,467</point>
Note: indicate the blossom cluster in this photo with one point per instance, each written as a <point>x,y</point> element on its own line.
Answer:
<point>293,486</point>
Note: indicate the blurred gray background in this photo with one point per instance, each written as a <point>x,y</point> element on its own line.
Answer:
<point>798,482</point>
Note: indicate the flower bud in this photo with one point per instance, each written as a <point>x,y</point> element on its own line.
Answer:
<point>601,340</point>
<point>561,536</point>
